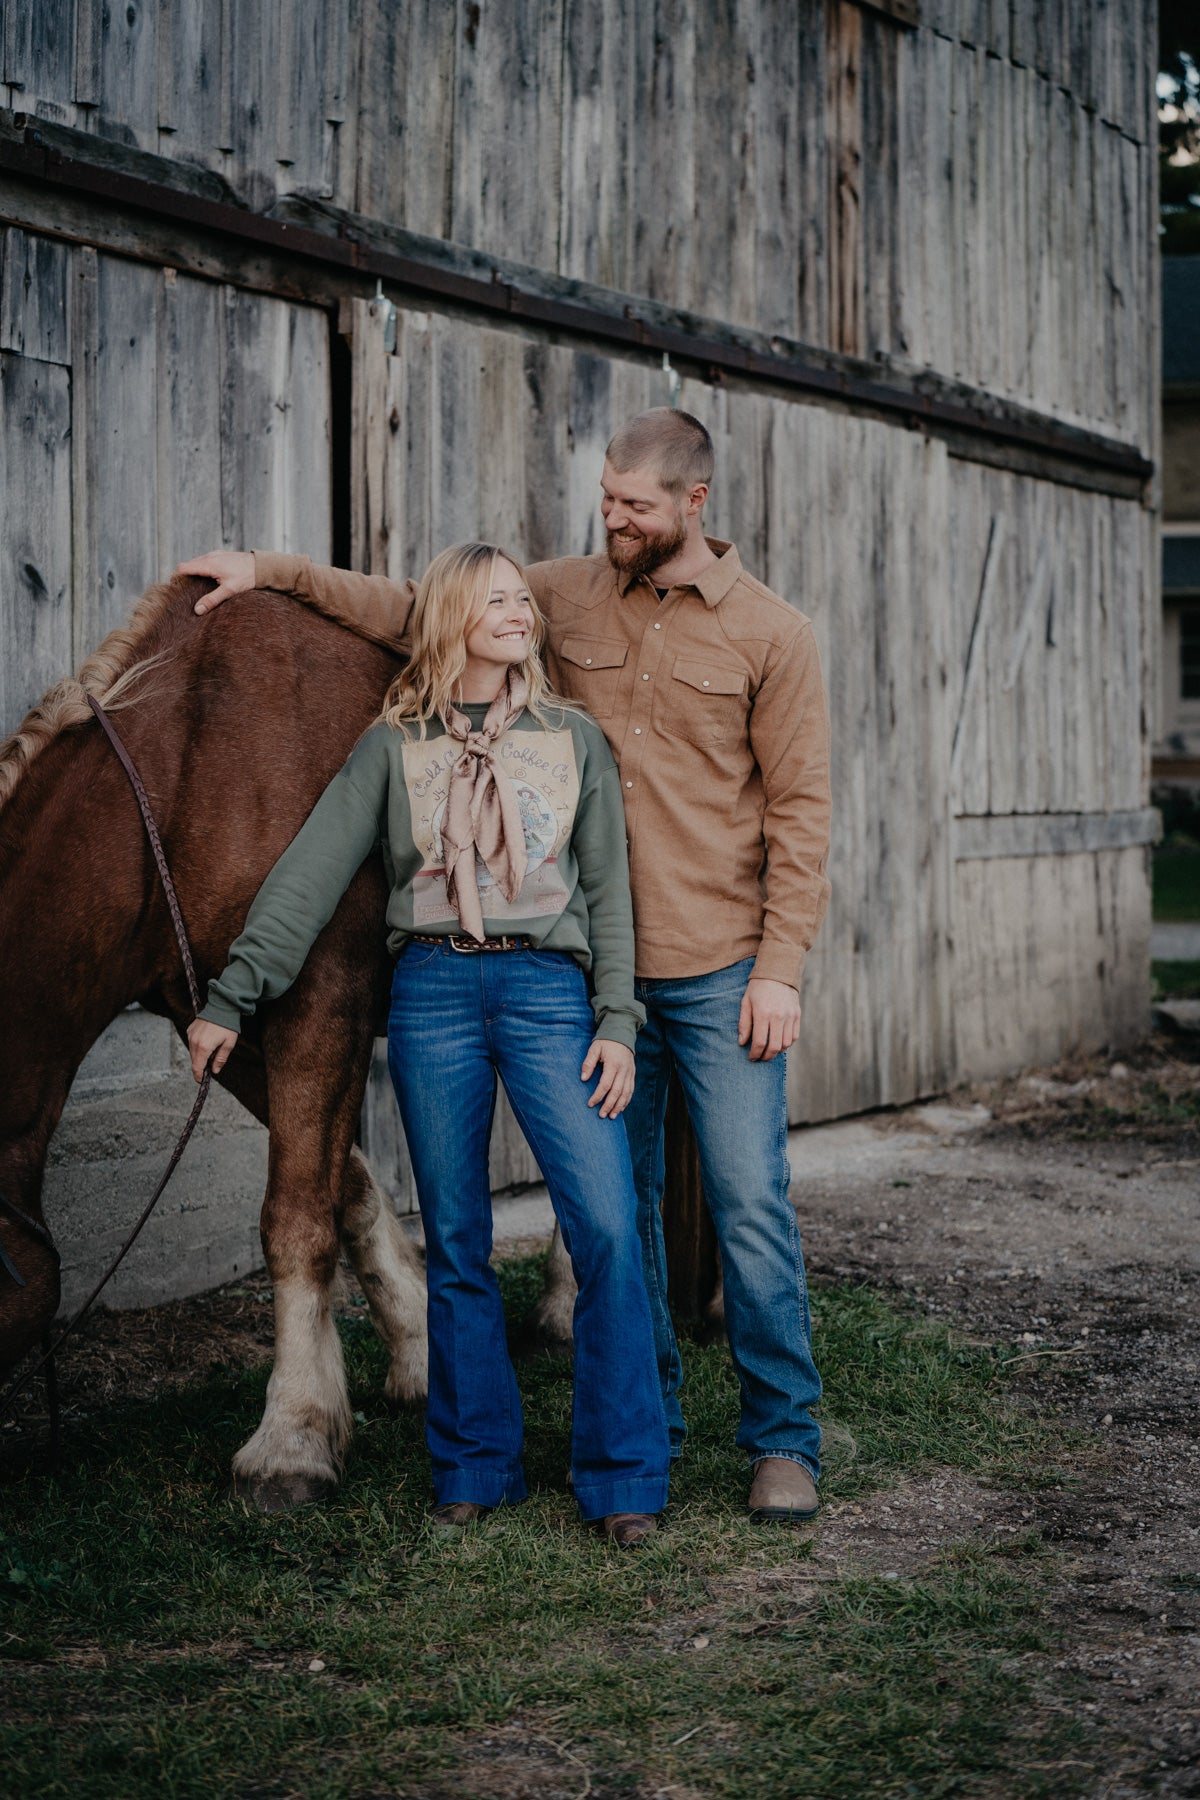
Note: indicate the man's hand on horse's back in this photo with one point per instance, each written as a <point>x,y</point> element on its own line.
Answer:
<point>207,1040</point>
<point>232,570</point>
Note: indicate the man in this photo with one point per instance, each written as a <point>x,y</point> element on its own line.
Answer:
<point>708,687</point>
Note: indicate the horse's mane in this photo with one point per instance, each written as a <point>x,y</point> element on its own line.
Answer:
<point>110,673</point>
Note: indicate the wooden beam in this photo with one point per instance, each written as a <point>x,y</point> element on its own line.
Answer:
<point>138,203</point>
<point>979,838</point>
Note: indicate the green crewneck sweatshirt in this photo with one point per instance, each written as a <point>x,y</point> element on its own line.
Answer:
<point>390,795</point>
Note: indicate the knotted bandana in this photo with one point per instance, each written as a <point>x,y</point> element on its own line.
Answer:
<point>482,816</point>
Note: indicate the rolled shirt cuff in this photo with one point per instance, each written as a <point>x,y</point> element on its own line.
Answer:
<point>779,962</point>
<point>283,574</point>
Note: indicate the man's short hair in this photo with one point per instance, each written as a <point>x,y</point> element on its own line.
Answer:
<point>674,444</point>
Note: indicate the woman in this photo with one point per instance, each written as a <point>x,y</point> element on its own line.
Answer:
<point>499,814</point>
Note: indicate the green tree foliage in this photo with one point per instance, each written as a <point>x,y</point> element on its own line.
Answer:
<point>1179,126</point>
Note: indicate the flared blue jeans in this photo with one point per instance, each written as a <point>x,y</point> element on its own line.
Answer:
<point>456,1023</point>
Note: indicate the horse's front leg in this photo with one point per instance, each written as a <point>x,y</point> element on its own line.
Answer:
<point>315,1081</point>
<point>392,1277</point>
<point>295,1457</point>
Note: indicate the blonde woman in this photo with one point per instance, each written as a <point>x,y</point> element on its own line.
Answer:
<point>499,814</point>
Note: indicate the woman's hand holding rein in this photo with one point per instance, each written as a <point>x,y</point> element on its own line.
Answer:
<point>614,1090</point>
<point>232,570</point>
<point>205,1040</point>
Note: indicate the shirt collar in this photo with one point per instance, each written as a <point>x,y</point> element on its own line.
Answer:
<point>714,582</point>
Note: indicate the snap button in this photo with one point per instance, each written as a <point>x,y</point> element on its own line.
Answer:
<point>657,626</point>
<point>629,784</point>
<point>637,731</point>
<point>706,684</point>
<point>646,678</point>
<point>587,662</point>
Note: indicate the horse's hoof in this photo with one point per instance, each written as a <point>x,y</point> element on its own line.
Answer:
<point>403,1406</point>
<point>548,1333</point>
<point>283,1493</point>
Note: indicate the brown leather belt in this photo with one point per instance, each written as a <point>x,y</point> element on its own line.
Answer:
<point>469,946</point>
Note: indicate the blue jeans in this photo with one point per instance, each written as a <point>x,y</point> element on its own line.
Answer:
<point>456,1022</point>
<point>738,1111</point>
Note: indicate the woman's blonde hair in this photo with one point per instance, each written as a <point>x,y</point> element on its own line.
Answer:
<point>451,599</point>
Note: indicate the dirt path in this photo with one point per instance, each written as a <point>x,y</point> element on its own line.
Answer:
<point>1059,1215</point>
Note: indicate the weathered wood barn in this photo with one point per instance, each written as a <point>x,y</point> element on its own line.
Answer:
<point>901,258</point>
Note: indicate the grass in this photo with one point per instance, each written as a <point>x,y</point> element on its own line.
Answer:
<point>1176,884</point>
<point>158,1638</point>
<point>1176,980</point>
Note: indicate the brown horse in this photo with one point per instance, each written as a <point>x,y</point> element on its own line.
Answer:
<point>236,722</point>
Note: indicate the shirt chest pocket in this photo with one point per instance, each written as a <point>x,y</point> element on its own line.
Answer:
<point>589,670</point>
<point>704,702</point>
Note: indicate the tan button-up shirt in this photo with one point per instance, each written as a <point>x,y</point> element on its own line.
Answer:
<point>713,703</point>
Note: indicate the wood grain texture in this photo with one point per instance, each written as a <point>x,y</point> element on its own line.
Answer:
<point>1078,982</point>
<point>1053,834</point>
<point>187,420</point>
<point>1048,668</point>
<point>845,250</point>
<point>34,297</point>
<point>35,547</point>
<point>974,196</point>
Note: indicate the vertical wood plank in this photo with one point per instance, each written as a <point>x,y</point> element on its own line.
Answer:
<point>251,75</point>
<point>664,181</point>
<point>372,522</point>
<point>35,548</point>
<point>124,499</point>
<point>882,180</point>
<point>34,297</point>
<point>596,128</point>
<point>844,124</point>
<point>728,88</point>
<point>549,451</point>
<point>190,81</point>
<point>188,421</point>
<point>38,49</point>
<point>128,73</point>
<point>507,186</point>
<point>275,474</point>
<point>84,301</point>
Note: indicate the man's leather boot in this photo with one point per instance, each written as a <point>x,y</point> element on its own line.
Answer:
<point>782,1490</point>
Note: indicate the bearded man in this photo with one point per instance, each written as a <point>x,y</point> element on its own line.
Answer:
<point>708,687</point>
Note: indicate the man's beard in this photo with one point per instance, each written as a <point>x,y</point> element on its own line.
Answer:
<point>647,554</point>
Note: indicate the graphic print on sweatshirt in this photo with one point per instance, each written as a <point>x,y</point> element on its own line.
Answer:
<point>542,767</point>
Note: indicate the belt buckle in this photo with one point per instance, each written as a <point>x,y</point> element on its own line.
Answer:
<point>464,946</point>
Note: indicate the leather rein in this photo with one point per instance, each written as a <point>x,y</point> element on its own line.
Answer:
<point>34,1226</point>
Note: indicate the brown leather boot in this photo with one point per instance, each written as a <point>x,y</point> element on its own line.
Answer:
<point>628,1531</point>
<point>456,1515</point>
<point>782,1490</point>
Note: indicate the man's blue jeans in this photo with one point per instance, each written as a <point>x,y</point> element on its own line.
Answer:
<point>738,1111</point>
<point>456,1022</point>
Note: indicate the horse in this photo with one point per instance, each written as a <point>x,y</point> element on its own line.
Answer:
<point>236,721</point>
